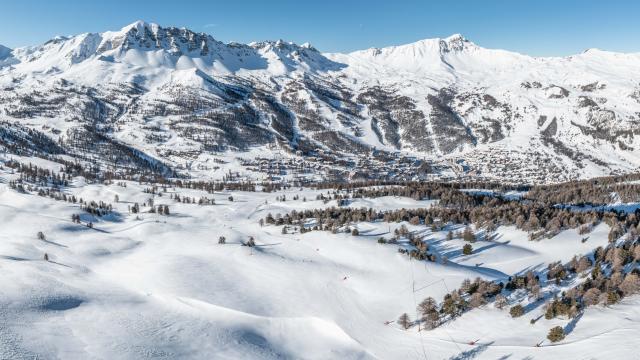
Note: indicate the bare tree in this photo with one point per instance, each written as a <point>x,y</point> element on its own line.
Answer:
<point>501,301</point>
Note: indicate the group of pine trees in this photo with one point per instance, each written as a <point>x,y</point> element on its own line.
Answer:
<point>460,208</point>
<point>471,294</point>
<point>160,209</point>
<point>596,191</point>
<point>606,280</point>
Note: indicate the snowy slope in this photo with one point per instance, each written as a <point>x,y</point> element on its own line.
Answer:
<point>180,97</point>
<point>150,286</point>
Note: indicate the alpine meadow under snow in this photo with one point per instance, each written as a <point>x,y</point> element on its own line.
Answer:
<point>167,195</point>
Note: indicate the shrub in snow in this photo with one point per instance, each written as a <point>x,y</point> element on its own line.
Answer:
<point>516,311</point>
<point>556,334</point>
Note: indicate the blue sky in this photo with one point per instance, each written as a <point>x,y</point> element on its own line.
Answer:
<point>541,27</point>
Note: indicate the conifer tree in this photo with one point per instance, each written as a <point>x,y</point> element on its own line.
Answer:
<point>404,321</point>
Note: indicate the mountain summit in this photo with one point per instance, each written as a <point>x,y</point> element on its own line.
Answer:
<point>4,52</point>
<point>181,96</point>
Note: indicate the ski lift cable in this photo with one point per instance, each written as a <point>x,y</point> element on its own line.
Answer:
<point>428,285</point>
<point>447,288</point>
<point>415,303</point>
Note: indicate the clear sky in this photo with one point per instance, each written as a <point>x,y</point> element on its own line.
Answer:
<point>534,27</point>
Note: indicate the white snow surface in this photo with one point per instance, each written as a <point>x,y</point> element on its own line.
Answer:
<point>161,286</point>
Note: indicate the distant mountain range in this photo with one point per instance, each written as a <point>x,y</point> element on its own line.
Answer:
<point>170,96</point>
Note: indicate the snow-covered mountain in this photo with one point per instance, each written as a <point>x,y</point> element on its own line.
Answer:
<point>180,97</point>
